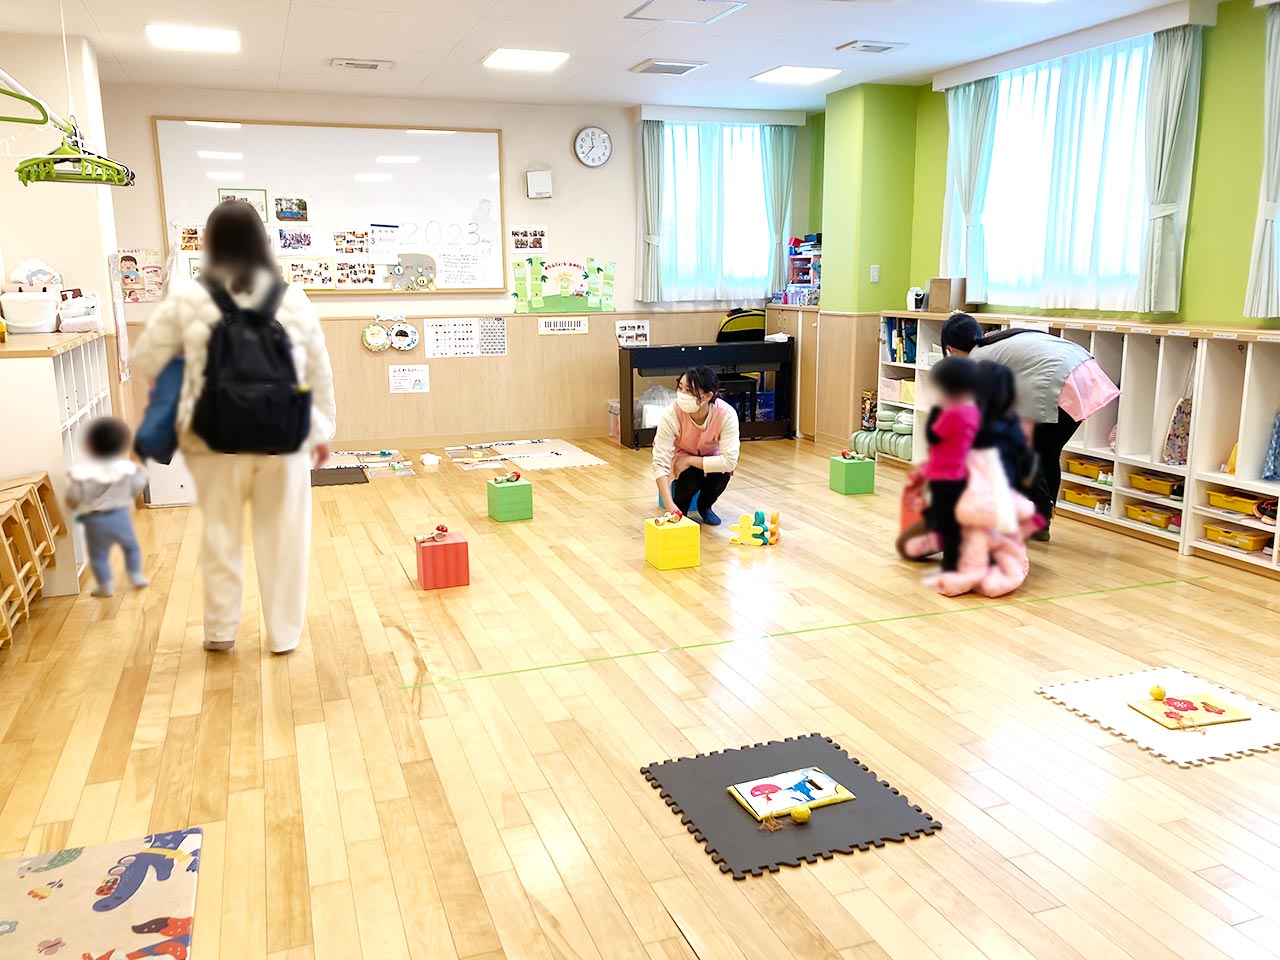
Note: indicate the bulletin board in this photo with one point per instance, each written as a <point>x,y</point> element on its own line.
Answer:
<point>349,209</point>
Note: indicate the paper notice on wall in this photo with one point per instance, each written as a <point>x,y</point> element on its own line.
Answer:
<point>552,326</point>
<point>459,268</point>
<point>311,274</point>
<point>141,270</point>
<point>632,333</point>
<point>470,337</point>
<point>384,243</point>
<point>295,239</point>
<point>409,378</point>
<point>525,239</point>
<point>123,370</point>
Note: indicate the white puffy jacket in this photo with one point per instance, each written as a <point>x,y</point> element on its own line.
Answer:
<point>182,325</point>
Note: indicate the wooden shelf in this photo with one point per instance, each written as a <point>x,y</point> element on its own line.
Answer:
<point>1257,558</point>
<point>1269,487</point>
<point>1086,482</point>
<point>22,346</point>
<point>1230,516</point>
<point>1146,495</point>
<point>1146,463</point>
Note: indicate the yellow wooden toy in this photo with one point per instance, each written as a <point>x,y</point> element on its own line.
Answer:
<point>1157,692</point>
<point>671,545</point>
<point>800,813</point>
<point>746,532</point>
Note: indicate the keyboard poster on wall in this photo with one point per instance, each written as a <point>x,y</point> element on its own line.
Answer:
<point>563,286</point>
<point>466,337</point>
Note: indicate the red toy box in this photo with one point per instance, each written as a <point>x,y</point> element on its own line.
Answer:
<point>443,563</point>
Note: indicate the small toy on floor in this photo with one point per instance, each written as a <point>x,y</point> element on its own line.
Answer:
<point>438,535</point>
<point>671,516</point>
<point>756,530</point>
<point>511,477</point>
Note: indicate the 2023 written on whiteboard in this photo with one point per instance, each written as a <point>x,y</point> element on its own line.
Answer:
<point>353,208</point>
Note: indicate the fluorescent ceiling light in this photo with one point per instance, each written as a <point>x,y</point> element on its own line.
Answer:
<point>216,124</point>
<point>538,61</point>
<point>373,177</point>
<point>391,158</point>
<point>796,75</point>
<point>219,155</point>
<point>198,39</point>
<point>433,133</point>
<point>224,175</point>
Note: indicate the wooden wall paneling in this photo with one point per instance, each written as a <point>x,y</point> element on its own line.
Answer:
<point>847,365</point>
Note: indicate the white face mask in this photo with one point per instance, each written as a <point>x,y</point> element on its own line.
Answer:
<point>687,403</point>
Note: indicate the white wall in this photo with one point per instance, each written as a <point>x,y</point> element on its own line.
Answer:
<point>68,225</point>
<point>593,212</point>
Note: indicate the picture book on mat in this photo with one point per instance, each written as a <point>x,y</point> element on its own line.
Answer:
<point>776,795</point>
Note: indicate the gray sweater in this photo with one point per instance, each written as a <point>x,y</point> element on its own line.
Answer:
<point>1041,364</point>
<point>97,486</point>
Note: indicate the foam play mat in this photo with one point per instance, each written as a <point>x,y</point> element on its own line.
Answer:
<point>1196,722</point>
<point>713,793</point>
<point>114,901</point>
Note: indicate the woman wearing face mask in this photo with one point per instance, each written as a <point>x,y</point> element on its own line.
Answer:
<point>696,448</point>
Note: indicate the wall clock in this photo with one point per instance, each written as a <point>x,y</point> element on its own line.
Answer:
<point>593,147</point>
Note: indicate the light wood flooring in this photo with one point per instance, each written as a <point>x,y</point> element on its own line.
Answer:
<point>455,774</point>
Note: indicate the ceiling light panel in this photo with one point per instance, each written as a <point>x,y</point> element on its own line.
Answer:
<point>797,76</point>
<point>193,39</point>
<point>685,11</point>
<point>534,61</point>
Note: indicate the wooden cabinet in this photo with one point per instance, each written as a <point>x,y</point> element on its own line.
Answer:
<point>836,361</point>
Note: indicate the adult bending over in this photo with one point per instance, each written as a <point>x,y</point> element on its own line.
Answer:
<point>1059,385</point>
<point>240,270</point>
<point>696,447</point>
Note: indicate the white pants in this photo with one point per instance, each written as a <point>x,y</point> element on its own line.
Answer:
<point>279,490</point>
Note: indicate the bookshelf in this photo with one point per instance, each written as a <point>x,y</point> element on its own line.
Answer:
<point>1233,377</point>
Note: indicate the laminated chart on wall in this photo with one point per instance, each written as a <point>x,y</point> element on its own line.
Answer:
<point>469,337</point>
<point>553,326</point>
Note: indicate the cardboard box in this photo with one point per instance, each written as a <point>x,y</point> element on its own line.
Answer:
<point>947,294</point>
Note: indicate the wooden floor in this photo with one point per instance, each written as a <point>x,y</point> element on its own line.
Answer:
<point>455,773</point>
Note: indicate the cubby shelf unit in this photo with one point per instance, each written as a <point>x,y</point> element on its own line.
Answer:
<point>1233,378</point>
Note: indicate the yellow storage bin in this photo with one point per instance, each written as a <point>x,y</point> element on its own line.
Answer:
<point>1240,539</point>
<point>1086,468</point>
<point>1234,501</point>
<point>1083,498</point>
<point>1153,484</point>
<point>1153,516</point>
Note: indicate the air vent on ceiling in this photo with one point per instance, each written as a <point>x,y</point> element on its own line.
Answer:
<point>869,46</point>
<point>685,11</point>
<point>668,68</point>
<point>351,63</point>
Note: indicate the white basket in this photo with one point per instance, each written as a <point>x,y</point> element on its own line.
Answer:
<point>30,312</point>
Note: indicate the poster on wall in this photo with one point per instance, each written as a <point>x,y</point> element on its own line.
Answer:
<point>352,241</point>
<point>191,237</point>
<point>141,271</point>
<point>526,239</point>
<point>314,274</point>
<point>292,209</point>
<point>356,274</point>
<point>295,239</point>
<point>253,197</point>
<point>470,337</point>
<point>563,286</point>
<point>123,370</point>
<point>632,333</point>
<point>409,378</point>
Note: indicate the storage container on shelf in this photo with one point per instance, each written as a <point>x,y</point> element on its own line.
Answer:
<point>1234,501</point>
<point>1164,486</point>
<point>30,312</point>
<point>1240,539</point>
<point>1083,498</point>
<point>1150,514</point>
<point>1090,469</point>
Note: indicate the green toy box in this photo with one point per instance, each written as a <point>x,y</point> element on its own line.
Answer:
<point>852,476</point>
<point>510,501</point>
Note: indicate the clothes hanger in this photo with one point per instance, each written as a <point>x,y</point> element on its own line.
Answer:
<point>38,121</point>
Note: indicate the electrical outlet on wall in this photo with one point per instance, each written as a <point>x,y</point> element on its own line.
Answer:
<point>875,273</point>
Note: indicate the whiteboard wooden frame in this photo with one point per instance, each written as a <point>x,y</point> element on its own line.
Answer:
<point>465,291</point>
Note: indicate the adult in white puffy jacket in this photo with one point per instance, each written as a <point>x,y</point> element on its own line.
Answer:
<point>237,254</point>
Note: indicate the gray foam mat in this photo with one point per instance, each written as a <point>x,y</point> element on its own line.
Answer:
<point>336,476</point>
<point>697,789</point>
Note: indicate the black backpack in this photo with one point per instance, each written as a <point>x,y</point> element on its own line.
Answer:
<point>252,401</point>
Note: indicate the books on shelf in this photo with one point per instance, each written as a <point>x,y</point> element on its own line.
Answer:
<point>900,340</point>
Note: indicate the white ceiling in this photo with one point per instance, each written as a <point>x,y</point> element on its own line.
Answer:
<point>437,45</point>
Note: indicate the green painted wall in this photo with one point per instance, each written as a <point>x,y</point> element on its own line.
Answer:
<point>817,126</point>
<point>1228,173</point>
<point>887,197</point>
<point>841,186</point>
<point>930,185</point>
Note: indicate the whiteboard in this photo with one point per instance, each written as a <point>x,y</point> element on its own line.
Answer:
<point>426,217</point>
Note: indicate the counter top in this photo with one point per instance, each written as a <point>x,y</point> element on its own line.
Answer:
<point>28,345</point>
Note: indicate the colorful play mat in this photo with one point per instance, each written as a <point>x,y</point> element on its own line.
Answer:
<point>125,900</point>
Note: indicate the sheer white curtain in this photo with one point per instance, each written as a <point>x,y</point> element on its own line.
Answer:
<point>778,149</point>
<point>1066,205</point>
<point>649,274</point>
<point>971,115</point>
<point>1173,111</point>
<point>1263,296</point>
<point>715,238</point>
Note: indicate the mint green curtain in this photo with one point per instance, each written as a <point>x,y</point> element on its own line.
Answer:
<point>971,113</point>
<point>1262,299</point>
<point>778,153</point>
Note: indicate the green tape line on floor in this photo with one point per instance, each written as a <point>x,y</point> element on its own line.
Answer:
<point>793,633</point>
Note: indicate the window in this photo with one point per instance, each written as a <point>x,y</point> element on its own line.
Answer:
<point>715,237</point>
<point>1066,204</point>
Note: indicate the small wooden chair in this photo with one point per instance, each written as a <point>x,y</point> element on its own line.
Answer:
<point>28,576</point>
<point>44,493</point>
<point>12,607</point>
<point>38,524</point>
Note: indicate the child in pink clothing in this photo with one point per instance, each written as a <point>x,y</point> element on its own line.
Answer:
<point>953,425</point>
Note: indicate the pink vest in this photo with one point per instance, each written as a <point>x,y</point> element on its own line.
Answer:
<point>702,441</point>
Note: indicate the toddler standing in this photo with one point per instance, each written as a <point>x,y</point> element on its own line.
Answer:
<point>953,425</point>
<point>101,491</point>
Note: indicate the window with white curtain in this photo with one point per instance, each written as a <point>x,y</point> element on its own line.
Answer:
<point>1066,204</point>
<point>715,241</point>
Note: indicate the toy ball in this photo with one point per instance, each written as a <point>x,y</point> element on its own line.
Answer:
<point>1157,692</point>
<point>515,475</point>
<point>800,813</point>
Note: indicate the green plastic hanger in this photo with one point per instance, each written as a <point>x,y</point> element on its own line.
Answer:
<point>38,121</point>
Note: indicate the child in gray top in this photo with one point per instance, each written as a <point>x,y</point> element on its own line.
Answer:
<point>100,491</point>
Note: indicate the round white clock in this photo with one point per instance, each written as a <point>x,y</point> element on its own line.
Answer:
<point>593,147</point>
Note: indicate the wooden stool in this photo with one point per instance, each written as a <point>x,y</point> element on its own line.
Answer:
<point>38,524</point>
<point>13,609</point>
<point>27,575</point>
<point>44,493</point>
